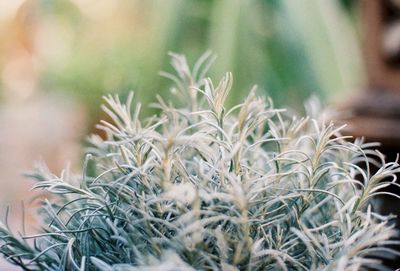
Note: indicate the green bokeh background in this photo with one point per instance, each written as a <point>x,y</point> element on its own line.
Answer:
<point>290,49</point>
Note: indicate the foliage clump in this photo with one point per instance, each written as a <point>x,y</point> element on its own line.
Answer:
<point>200,187</point>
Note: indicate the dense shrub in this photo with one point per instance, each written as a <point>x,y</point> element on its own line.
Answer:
<point>200,187</point>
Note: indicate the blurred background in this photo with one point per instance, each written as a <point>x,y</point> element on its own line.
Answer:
<point>57,58</point>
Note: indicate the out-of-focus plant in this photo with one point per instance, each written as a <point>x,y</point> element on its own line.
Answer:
<point>292,50</point>
<point>205,187</point>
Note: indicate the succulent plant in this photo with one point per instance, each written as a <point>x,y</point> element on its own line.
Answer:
<point>201,187</point>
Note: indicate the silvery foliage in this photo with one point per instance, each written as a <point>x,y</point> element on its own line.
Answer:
<point>200,187</point>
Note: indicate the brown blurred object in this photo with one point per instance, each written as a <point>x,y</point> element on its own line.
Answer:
<point>375,112</point>
<point>381,39</point>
